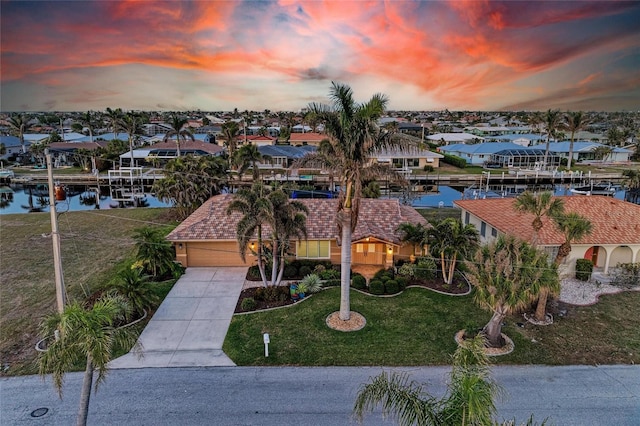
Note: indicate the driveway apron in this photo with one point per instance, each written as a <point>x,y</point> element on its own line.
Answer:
<point>190,325</point>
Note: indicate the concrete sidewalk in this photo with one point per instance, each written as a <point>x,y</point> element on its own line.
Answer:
<point>190,325</point>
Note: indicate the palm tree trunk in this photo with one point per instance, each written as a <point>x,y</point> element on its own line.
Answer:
<point>570,152</point>
<point>345,266</point>
<point>452,268</point>
<point>274,261</point>
<point>280,265</point>
<point>443,266</point>
<point>493,330</point>
<point>85,396</point>
<point>541,309</point>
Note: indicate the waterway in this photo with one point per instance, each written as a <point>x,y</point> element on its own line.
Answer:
<point>35,198</point>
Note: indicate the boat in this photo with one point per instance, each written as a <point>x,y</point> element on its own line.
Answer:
<point>600,188</point>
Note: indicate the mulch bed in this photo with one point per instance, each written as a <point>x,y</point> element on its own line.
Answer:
<point>459,285</point>
<point>260,304</point>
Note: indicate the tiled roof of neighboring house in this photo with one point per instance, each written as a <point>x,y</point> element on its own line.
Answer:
<point>73,146</point>
<point>614,221</point>
<point>306,137</point>
<point>378,218</point>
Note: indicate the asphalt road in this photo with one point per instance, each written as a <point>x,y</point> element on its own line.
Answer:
<point>575,395</point>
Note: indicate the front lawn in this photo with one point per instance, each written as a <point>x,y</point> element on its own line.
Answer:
<point>418,326</point>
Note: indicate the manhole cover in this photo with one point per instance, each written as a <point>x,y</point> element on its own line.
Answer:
<point>39,412</point>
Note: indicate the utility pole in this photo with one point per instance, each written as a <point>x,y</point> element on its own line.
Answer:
<point>61,296</point>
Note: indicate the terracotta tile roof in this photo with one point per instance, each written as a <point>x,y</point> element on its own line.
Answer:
<point>309,136</point>
<point>378,219</point>
<point>614,221</point>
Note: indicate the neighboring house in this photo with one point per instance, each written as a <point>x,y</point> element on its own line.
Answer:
<point>408,159</point>
<point>487,131</point>
<point>256,140</point>
<point>12,146</point>
<point>524,139</point>
<point>283,156</point>
<point>526,158</point>
<point>63,152</point>
<point>585,151</point>
<point>208,236</point>
<point>615,237</point>
<point>165,151</point>
<point>310,138</point>
<point>454,138</point>
<point>477,154</point>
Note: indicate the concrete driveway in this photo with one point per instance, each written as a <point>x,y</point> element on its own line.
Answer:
<point>190,325</point>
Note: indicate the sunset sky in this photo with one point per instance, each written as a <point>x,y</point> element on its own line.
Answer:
<point>281,55</point>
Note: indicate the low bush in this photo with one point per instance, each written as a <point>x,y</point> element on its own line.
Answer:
<point>384,278</point>
<point>407,270</point>
<point>332,283</point>
<point>376,287</point>
<point>391,287</point>
<point>330,274</point>
<point>359,282</point>
<point>290,271</point>
<point>253,274</point>
<point>272,293</point>
<point>584,268</point>
<point>402,282</point>
<point>311,283</point>
<point>248,304</point>
<point>305,270</point>
<point>454,160</point>
<point>626,275</point>
<point>425,268</point>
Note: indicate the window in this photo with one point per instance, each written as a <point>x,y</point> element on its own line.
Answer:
<point>312,249</point>
<point>494,232</point>
<point>466,218</point>
<point>483,229</point>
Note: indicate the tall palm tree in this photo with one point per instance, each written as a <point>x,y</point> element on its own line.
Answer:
<point>229,133</point>
<point>249,156</point>
<point>574,227</point>
<point>178,130</point>
<point>18,124</point>
<point>502,274</point>
<point>253,204</point>
<point>450,239</point>
<point>88,120</point>
<point>551,120</point>
<point>114,119</point>
<point>602,152</point>
<point>84,335</point>
<point>131,123</point>
<point>352,130</point>
<point>574,121</point>
<point>539,205</point>
<point>469,399</point>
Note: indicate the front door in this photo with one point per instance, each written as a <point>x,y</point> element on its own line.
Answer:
<point>367,253</point>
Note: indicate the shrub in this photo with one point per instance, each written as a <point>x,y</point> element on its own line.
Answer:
<point>627,275</point>
<point>290,271</point>
<point>379,274</point>
<point>391,287</point>
<point>584,268</point>
<point>425,268</point>
<point>332,283</point>
<point>376,287</point>
<point>402,282</point>
<point>253,274</point>
<point>248,304</point>
<point>272,293</point>
<point>384,278</point>
<point>359,282</point>
<point>312,283</point>
<point>407,270</point>
<point>456,161</point>
<point>305,270</point>
<point>330,274</point>
<point>319,269</point>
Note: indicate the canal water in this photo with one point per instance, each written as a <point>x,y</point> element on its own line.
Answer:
<point>35,198</point>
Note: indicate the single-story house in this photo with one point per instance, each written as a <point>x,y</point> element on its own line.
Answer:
<point>454,138</point>
<point>165,151</point>
<point>615,237</point>
<point>523,139</point>
<point>12,146</point>
<point>411,158</point>
<point>208,236</point>
<point>477,154</point>
<point>309,138</point>
<point>527,158</point>
<point>585,151</point>
<point>282,156</point>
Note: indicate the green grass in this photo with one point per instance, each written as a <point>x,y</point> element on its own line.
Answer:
<point>94,245</point>
<point>439,213</point>
<point>418,327</point>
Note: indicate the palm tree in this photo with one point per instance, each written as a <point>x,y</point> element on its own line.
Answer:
<point>574,122</point>
<point>230,132</point>
<point>177,124</point>
<point>354,135</point>
<point>416,234</point>
<point>540,205</point>
<point>469,399</point>
<point>18,124</point>
<point>85,335</point>
<point>574,227</point>
<point>136,287</point>
<point>87,120</point>
<point>551,121</point>
<point>249,156</point>
<point>114,118</point>
<point>450,239</point>
<point>503,274</point>
<point>253,204</point>
<point>602,152</point>
<point>153,251</point>
<point>131,123</point>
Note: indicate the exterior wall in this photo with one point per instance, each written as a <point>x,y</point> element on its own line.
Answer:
<point>435,163</point>
<point>490,233</point>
